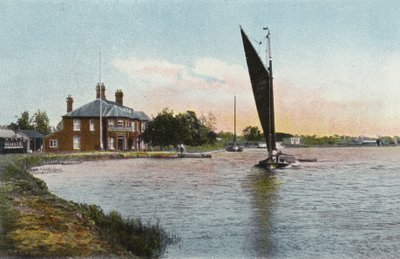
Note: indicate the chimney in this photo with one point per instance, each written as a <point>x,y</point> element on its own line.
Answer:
<point>119,97</point>
<point>98,91</point>
<point>103,91</point>
<point>70,101</point>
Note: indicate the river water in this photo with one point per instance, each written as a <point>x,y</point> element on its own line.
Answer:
<point>345,205</point>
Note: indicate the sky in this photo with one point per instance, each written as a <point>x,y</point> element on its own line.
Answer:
<point>336,63</point>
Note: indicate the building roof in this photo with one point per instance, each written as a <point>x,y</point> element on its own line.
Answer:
<point>143,116</point>
<point>31,133</point>
<point>7,133</point>
<point>109,110</point>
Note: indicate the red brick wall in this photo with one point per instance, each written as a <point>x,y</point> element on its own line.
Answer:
<point>89,140</point>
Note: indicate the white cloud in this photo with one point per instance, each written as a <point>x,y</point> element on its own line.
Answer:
<point>326,107</point>
<point>207,85</point>
<point>150,71</point>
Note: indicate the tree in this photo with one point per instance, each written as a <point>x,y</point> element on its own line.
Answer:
<point>59,126</point>
<point>211,137</point>
<point>41,122</point>
<point>226,136</point>
<point>252,133</point>
<point>280,136</point>
<point>23,122</point>
<point>210,121</point>
<point>166,129</point>
<point>191,130</point>
<point>162,130</point>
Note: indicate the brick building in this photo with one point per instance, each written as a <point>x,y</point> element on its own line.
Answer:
<point>122,126</point>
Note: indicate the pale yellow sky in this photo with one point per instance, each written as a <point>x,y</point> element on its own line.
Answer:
<point>210,84</point>
<point>336,63</point>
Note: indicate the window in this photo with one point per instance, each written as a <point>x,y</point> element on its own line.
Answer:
<point>91,125</point>
<point>53,143</point>
<point>133,125</point>
<point>111,143</point>
<point>77,125</point>
<point>134,144</point>
<point>111,123</point>
<point>143,126</point>
<point>120,123</point>
<point>77,142</point>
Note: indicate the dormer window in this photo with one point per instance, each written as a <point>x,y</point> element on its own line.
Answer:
<point>77,125</point>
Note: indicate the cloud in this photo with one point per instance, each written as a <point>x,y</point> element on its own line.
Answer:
<point>150,71</point>
<point>208,85</point>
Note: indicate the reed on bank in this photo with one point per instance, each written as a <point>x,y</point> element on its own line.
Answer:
<point>35,222</point>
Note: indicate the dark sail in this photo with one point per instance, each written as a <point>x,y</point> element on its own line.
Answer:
<point>261,84</point>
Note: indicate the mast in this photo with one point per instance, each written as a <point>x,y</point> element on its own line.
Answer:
<point>260,82</point>
<point>271,91</point>
<point>234,119</point>
<point>101,108</point>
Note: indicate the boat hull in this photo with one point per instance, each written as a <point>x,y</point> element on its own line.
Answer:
<point>271,165</point>
<point>278,162</point>
<point>234,148</point>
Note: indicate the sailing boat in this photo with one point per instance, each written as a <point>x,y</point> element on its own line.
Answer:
<point>261,81</point>
<point>234,147</point>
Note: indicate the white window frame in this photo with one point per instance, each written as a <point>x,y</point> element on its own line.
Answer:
<point>133,123</point>
<point>91,125</point>
<point>142,126</point>
<point>111,143</point>
<point>53,143</point>
<point>111,123</point>
<point>77,125</point>
<point>76,142</point>
<point>120,123</point>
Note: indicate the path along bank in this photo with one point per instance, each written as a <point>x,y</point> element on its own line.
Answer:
<point>35,222</point>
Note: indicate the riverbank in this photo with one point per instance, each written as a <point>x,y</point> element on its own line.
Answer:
<point>34,222</point>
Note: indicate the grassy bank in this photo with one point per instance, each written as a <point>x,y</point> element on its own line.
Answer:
<point>34,222</point>
<point>207,147</point>
<point>219,145</point>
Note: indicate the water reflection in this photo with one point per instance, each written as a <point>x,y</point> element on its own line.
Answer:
<point>346,205</point>
<point>263,187</point>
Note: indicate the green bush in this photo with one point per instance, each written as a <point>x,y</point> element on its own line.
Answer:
<point>144,240</point>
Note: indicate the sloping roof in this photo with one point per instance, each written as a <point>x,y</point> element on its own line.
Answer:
<point>109,110</point>
<point>143,116</point>
<point>31,133</point>
<point>7,133</point>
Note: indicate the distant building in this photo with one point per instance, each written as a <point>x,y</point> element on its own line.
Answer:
<point>11,141</point>
<point>292,141</point>
<point>370,142</point>
<point>122,126</point>
<point>34,140</point>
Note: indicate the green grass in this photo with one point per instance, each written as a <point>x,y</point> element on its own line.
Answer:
<point>146,240</point>
<point>38,223</point>
<point>207,147</point>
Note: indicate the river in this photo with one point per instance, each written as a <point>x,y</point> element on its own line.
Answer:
<point>345,205</point>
